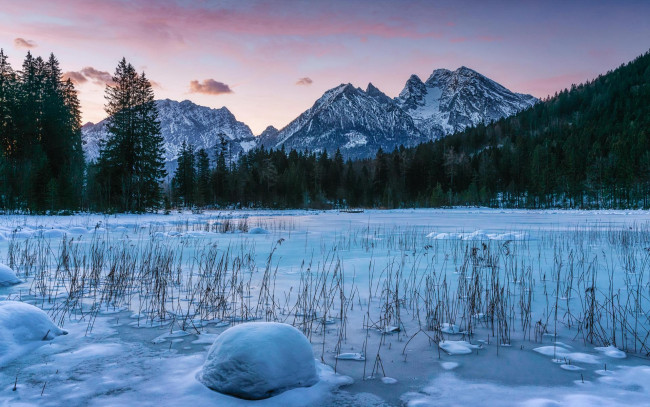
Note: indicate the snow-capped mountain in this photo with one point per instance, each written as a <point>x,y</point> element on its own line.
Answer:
<point>356,121</point>
<point>197,125</point>
<point>450,101</point>
<point>269,136</point>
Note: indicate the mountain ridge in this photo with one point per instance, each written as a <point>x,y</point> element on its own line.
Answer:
<point>345,117</point>
<point>186,121</point>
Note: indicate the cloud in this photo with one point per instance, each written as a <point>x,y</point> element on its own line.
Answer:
<point>23,43</point>
<point>75,77</point>
<point>98,77</point>
<point>304,81</point>
<point>101,78</point>
<point>209,87</point>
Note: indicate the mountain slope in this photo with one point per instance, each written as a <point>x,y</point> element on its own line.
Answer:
<point>356,121</point>
<point>449,102</point>
<point>184,121</point>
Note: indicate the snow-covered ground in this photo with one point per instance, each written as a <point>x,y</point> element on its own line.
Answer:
<point>422,307</point>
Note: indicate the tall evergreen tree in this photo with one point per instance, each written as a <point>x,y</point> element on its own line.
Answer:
<point>131,164</point>
<point>183,183</point>
<point>202,177</point>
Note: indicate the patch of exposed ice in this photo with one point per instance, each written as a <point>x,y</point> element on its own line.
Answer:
<point>629,386</point>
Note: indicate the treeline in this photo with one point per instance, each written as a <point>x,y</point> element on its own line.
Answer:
<point>585,147</point>
<point>42,163</point>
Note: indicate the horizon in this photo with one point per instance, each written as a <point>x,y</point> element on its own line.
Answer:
<point>268,61</point>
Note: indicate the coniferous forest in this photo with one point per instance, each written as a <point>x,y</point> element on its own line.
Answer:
<point>42,163</point>
<point>584,147</point>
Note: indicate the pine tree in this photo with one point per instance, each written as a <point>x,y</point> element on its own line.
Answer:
<point>183,183</point>
<point>220,173</point>
<point>131,164</point>
<point>8,131</point>
<point>202,177</point>
<point>8,84</point>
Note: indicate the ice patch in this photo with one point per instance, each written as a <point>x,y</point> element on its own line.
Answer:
<point>257,231</point>
<point>629,386</point>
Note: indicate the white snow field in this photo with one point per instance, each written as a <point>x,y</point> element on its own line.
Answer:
<point>390,308</point>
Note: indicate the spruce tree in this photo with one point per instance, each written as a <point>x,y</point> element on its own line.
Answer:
<point>131,163</point>
<point>202,177</point>
<point>8,136</point>
<point>183,183</point>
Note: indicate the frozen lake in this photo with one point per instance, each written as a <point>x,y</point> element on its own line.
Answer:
<point>402,307</point>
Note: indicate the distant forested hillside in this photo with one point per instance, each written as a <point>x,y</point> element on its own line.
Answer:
<point>584,147</point>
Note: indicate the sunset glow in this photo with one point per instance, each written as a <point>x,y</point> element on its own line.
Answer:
<point>267,61</point>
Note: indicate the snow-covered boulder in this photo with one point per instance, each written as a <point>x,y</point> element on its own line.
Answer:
<point>258,231</point>
<point>258,360</point>
<point>7,276</point>
<point>21,326</point>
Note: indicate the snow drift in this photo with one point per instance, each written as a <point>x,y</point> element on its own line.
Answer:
<point>7,276</point>
<point>23,327</point>
<point>258,360</point>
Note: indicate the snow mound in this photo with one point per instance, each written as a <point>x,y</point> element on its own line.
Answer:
<point>388,380</point>
<point>562,354</point>
<point>52,233</point>
<point>571,368</point>
<point>449,365</point>
<point>612,352</point>
<point>351,356</point>
<point>258,231</point>
<point>21,327</point>
<point>258,360</point>
<point>77,230</point>
<point>458,347</point>
<point>478,235</point>
<point>450,328</point>
<point>7,276</point>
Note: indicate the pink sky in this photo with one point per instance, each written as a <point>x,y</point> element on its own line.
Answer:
<point>268,61</point>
